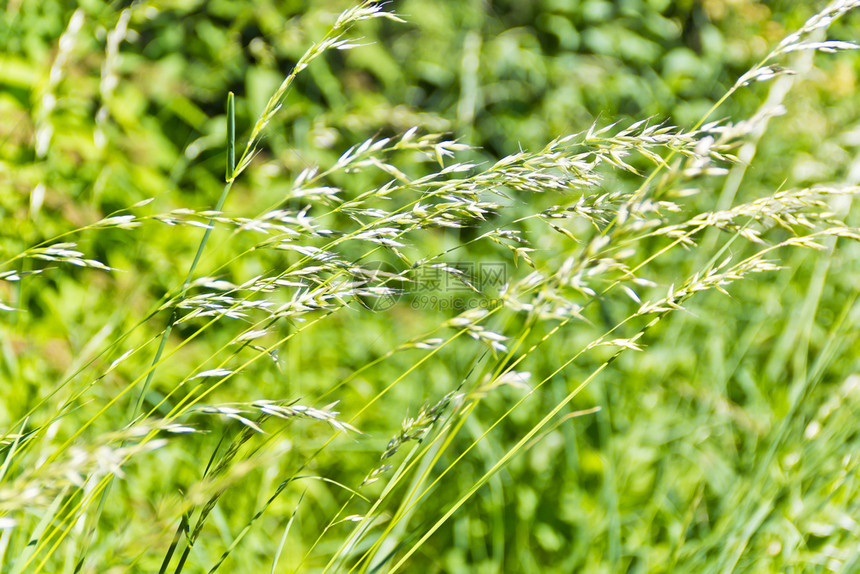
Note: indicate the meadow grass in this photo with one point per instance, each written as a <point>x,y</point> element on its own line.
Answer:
<point>663,379</point>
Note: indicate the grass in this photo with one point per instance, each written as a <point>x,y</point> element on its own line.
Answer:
<point>629,349</point>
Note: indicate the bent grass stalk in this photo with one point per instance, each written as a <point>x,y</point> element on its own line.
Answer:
<point>546,419</point>
<point>366,10</point>
<point>297,265</point>
<point>567,400</point>
<point>182,407</point>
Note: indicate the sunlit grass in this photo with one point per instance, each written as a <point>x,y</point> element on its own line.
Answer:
<point>664,378</point>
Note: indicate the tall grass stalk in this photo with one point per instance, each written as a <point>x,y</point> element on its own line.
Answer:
<point>593,222</point>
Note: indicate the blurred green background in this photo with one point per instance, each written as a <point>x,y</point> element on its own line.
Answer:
<point>731,441</point>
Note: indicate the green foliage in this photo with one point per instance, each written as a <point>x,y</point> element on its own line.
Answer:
<point>266,373</point>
